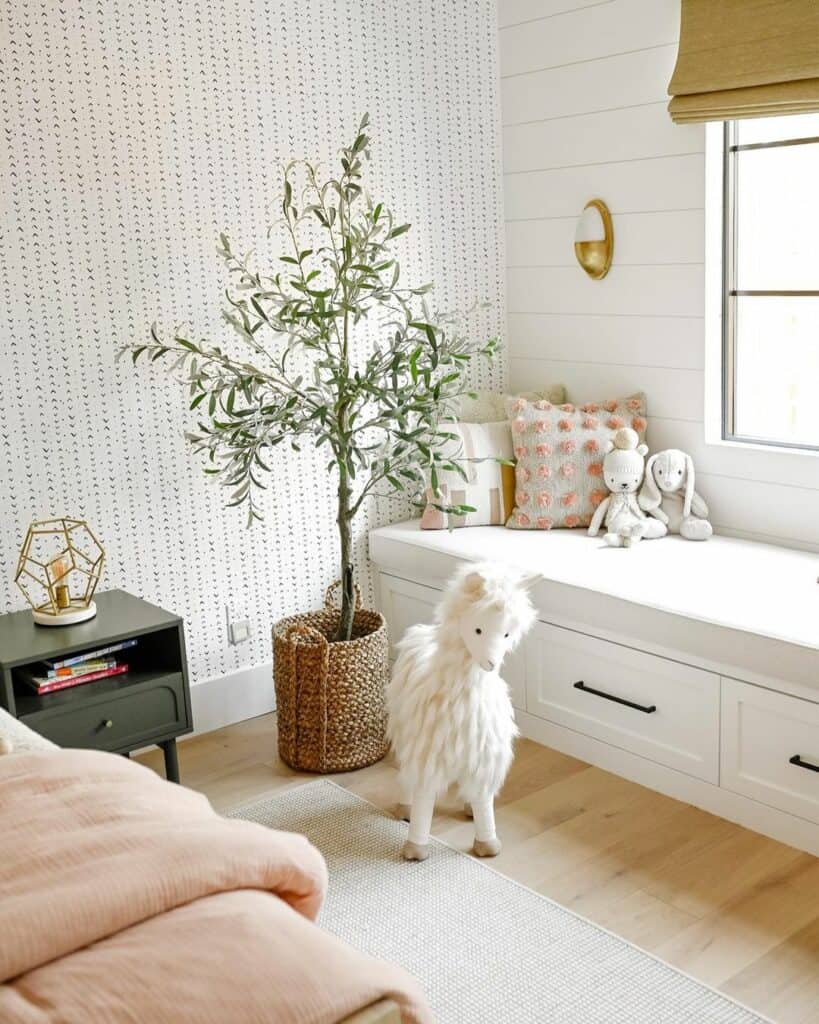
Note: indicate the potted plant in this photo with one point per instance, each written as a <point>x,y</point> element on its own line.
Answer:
<point>360,366</point>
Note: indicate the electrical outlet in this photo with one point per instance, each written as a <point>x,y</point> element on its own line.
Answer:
<point>238,625</point>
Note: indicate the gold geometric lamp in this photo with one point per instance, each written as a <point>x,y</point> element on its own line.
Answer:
<point>58,571</point>
<point>594,239</point>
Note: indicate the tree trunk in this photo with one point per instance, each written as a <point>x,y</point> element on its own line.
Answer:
<point>345,622</point>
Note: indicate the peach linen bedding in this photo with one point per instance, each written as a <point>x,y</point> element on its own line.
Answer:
<point>126,898</point>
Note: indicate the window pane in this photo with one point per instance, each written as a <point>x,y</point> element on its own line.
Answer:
<point>777,218</point>
<point>774,129</point>
<point>777,369</point>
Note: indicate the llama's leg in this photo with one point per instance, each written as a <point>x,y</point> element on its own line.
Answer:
<point>402,810</point>
<point>487,843</point>
<point>417,844</point>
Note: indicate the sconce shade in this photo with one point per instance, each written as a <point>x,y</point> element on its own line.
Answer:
<point>594,239</point>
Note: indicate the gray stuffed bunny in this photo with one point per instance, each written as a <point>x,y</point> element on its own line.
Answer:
<point>668,494</point>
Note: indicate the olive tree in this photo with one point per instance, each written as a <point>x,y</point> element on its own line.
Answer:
<point>335,351</point>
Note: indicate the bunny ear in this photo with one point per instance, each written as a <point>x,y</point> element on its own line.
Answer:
<point>649,496</point>
<point>689,486</point>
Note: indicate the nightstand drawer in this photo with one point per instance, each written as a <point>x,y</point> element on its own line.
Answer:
<point>126,719</point>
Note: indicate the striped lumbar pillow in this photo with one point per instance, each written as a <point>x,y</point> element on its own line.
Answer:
<point>489,487</point>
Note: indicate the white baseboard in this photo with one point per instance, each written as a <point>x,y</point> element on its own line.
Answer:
<point>770,821</point>
<point>225,700</point>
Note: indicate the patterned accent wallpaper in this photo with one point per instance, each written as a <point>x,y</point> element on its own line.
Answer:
<point>136,130</point>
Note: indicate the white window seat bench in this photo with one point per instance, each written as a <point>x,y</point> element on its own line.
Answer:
<point>713,647</point>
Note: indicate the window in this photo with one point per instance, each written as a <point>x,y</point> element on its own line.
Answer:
<point>771,281</point>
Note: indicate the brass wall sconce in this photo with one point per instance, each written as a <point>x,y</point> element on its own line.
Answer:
<point>594,239</point>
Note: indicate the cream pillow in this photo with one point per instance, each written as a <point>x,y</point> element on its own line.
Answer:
<point>559,451</point>
<point>490,406</point>
<point>489,487</point>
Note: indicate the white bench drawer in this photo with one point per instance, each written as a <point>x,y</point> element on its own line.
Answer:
<point>769,743</point>
<point>654,707</point>
<point>404,604</point>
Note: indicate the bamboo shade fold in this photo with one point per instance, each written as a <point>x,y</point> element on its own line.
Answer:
<point>745,58</point>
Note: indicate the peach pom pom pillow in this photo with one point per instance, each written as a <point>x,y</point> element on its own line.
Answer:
<point>559,451</point>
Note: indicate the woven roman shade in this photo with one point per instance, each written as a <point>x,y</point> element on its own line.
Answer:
<point>746,58</point>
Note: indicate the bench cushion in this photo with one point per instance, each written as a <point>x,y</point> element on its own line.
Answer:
<point>739,584</point>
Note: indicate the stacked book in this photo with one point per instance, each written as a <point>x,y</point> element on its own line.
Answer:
<point>48,676</point>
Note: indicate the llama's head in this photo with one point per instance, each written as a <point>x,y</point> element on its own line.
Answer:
<point>487,606</point>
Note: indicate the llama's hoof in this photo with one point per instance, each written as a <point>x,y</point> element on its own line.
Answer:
<point>414,851</point>
<point>468,811</point>
<point>402,812</point>
<point>487,847</point>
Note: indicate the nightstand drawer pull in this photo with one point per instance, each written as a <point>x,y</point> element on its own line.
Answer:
<point>646,709</point>
<point>108,723</point>
<point>797,760</point>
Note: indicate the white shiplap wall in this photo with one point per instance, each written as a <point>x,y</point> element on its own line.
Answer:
<point>133,132</point>
<point>583,93</point>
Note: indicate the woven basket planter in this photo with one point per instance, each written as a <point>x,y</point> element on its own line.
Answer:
<point>330,696</point>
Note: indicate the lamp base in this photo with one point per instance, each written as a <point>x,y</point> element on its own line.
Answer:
<point>77,612</point>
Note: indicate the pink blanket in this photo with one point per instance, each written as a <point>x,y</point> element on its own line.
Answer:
<point>125,898</point>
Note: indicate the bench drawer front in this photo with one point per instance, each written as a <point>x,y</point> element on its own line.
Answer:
<point>404,604</point>
<point>651,706</point>
<point>762,732</point>
<point>125,721</point>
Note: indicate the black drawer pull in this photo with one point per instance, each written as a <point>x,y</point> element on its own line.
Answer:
<point>647,710</point>
<point>797,760</point>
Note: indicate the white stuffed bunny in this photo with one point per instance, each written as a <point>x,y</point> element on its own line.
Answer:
<point>623,467</point>
<point>668,494</point>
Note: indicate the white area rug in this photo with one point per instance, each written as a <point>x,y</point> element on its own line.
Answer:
<point>485,948</point>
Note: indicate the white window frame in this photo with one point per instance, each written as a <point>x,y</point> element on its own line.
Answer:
<point>800,464</point>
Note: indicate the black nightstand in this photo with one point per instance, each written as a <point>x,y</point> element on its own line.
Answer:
<point>149,704</point>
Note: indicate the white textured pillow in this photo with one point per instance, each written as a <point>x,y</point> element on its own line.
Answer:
<point>16,738</point>
<point>489,487</point>
<point>490,406</point>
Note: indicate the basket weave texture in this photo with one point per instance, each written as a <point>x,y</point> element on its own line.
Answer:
<point>330,696</point>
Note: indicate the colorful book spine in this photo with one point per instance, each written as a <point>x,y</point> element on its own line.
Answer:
<point>78,659</point>
<point>80,670</point>
<point>42,686</point>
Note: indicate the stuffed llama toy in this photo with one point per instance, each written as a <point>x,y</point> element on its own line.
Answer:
<point>668,494</point>
<point>623,466</point>
<point>450,716</point>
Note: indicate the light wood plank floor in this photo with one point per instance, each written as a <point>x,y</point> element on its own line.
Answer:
<point>734,909</point>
